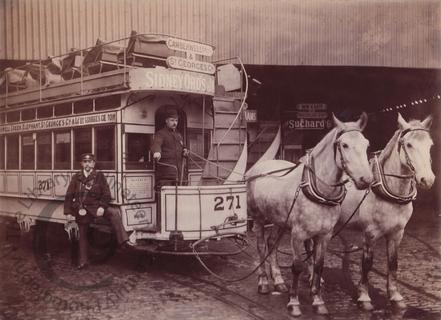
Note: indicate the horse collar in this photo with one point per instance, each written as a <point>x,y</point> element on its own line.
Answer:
<point>311,191</point>
<point>380,187</point>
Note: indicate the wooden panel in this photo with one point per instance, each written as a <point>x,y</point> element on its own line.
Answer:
<point>61,182</point>
<point>12,183</point>
<point>28,184</point>
<point>111,180</point>
<point>45,184</point>
<point>138,187</point>
<point>2,182</point>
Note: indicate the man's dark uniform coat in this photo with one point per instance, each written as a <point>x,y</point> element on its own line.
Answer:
<point>98,195</point>
<point>170,144</point>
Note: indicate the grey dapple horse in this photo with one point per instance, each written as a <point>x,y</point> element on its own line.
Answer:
<point>404,162</point>
<point>274,196</point>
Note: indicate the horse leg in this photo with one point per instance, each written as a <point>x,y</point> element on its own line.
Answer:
<point>309,260</point>
<point>321,244</point>
<point>367,259</point>
<point>393,242</point>
<point>262,284</point>
<point>297,267</point>
<point>274,237</point>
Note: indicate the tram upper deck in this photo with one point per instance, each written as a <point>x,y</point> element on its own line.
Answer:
<point>112,108</point>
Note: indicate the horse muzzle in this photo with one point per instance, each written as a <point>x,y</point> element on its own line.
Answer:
<point>425,182</point>
<point>363,182</point>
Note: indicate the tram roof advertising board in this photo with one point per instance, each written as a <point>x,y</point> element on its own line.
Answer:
<point>71,121</point>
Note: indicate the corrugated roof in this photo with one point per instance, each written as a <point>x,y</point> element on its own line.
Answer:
<point>278,32</point>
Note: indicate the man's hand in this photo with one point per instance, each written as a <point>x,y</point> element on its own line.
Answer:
<point>157,156</point>
<point>100,212</point>
<point>185,152</point>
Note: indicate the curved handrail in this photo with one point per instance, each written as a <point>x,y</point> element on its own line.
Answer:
<point>243,101</point>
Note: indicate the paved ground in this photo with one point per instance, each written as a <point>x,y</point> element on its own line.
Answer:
<point>124,285</point>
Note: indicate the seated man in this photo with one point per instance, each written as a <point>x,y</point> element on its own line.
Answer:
<point>88,197</point>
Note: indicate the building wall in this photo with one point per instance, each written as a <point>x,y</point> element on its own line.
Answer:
<point>400,33</point>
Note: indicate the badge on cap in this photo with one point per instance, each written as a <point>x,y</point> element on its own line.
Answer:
<point>87,156</point>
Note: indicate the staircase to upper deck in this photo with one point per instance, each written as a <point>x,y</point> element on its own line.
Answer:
<point>229,137</point>
<point>265,135</point>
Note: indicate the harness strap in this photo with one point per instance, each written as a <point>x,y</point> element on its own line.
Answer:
<point>401,145</point>
<point>381,189</point>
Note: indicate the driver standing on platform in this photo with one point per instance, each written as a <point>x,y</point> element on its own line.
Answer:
<point>168,150</point>
<point>88,197</point>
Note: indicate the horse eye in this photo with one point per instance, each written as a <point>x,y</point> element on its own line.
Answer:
<point>408,145</point>
<point>344,145</point>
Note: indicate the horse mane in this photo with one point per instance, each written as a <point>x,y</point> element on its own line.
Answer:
<point>390,146</point>
<point>393,142</point>
<point>331,136</point>
<point>325,142</point>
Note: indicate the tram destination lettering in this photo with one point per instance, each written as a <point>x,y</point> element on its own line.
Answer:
<point>189,46</point>
<point>191,65</point>
<point>173,80</point>
<point>60,123</point>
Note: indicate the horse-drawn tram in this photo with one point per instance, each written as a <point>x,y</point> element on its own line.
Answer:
<point>110,100</point>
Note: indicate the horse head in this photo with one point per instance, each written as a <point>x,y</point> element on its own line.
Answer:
<point>351,150</point>
<point>414,149</point>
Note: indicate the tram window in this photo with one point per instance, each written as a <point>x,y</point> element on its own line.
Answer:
<point>62,150</point>
<point>3,118</point>
<point>2,152</point>
<point>28,114</point>
<point>63,109</point>
<point>13,116</point>
<point>27,152</point>
<point>137,151</point>
<point>12,153</point>
<point>106,103</point>
<point>83,106</point>
<point>105,147</point>
<point>82,144</point>
<point>45,112</point>
<point>198,145</point>
<point>44,151</point>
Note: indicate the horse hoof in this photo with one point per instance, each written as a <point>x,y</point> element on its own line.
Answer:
<point>321,309</point>
<point>282,288</point>
<point>263,289</point>
<point>294,310</point>
<point>399,304</point>
<point>365,305</point>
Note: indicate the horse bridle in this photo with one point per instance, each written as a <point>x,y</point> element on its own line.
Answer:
<point>337,145</point>
<point>402,145</point>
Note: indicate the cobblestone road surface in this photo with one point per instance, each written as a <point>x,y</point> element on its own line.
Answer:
<point>126,285</point>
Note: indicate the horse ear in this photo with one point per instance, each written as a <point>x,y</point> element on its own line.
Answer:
<point>362,122</point>
<point>337,123</point>
<point>427,122</point>
<point>402,124</point>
